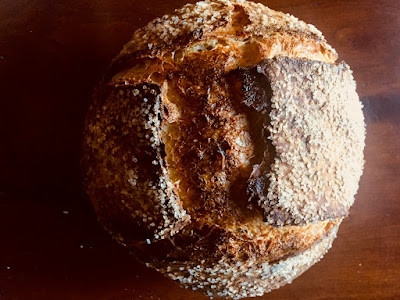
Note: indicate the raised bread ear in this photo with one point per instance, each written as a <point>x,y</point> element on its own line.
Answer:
<point>126,175</point>
<point>316,128</point>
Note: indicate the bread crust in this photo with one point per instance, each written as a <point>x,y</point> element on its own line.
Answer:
<point>173,144</point>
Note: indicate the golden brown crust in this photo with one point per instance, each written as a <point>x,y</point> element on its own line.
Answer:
<point>173,137</point>
<point>234,28</point>
<point>248,278</point>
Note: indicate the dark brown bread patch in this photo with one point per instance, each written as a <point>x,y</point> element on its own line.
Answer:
<point>314,131</point>
<point>125,166</point>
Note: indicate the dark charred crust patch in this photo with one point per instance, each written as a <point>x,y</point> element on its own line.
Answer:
<point>256,88</point>
<point>253,91</point>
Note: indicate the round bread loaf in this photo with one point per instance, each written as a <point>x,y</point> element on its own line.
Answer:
<point>225,146</point>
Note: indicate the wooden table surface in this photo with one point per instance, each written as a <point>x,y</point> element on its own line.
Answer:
<point>52,53</point>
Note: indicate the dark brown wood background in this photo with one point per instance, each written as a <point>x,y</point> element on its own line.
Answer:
<point>52,53</point>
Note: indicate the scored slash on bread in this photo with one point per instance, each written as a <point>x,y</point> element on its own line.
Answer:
<point>225,147</point>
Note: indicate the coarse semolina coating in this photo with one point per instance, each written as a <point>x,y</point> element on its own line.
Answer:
<point>225,147</point>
